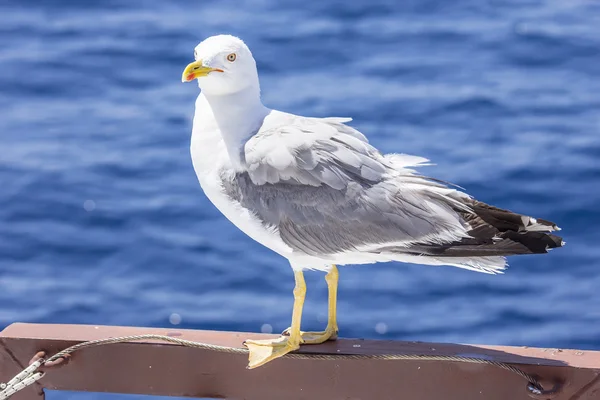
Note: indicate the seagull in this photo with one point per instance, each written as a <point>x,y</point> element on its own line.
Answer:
<point>316,192</point>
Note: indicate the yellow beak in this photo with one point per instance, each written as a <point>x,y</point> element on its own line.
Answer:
<point>196,70</point>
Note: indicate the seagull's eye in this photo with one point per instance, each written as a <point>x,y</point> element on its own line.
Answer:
<point>195,54</point>
<point>231,57</point>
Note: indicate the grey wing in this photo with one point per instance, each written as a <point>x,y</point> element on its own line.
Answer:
<point>327,190</point>
<point>321,220</point>
<point>310,151</point>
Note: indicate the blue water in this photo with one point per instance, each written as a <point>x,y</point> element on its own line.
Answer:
<point>102,220</point>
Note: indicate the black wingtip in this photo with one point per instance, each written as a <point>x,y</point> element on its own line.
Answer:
<point>536,242</point>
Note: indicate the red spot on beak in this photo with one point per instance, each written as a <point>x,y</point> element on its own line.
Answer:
<point>189,77</point>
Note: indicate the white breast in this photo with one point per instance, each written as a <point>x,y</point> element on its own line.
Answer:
<point>210,157</point>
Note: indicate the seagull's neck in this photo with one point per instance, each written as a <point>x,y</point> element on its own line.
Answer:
<point>239,116</point>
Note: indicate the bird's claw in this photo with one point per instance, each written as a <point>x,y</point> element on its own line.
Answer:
<point>315,337</point>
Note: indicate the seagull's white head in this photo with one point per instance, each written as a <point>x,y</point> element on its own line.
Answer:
<point>224,65</point>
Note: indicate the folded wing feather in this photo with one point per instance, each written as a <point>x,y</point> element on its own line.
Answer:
<point>328,191</point>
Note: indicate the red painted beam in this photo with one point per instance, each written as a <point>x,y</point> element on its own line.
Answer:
<point>158,368</point>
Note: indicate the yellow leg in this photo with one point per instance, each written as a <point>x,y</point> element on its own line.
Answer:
<point>263,351</point>
<point>331,331</point>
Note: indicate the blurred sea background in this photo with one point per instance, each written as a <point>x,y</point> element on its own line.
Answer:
<point>102,220</point>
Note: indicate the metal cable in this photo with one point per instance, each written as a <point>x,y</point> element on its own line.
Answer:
<point>31,375</point>
<point>188,343</point>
